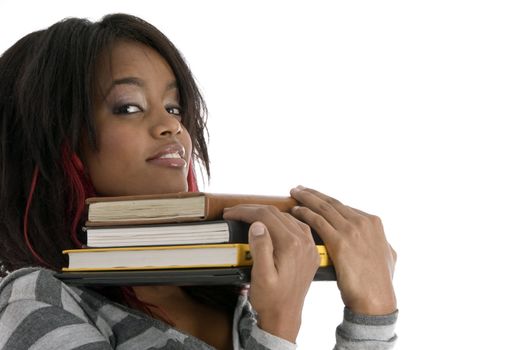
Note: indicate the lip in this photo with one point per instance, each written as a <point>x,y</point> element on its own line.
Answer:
<point>162,156</point>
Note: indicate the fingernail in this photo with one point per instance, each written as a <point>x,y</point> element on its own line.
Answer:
<point>297,188</point>
<point>257,229</point>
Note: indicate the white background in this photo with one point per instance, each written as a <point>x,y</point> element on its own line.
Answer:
<point>411,110</point>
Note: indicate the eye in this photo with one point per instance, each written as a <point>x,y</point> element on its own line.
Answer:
<point>174,110</point>
<point>127,109</point>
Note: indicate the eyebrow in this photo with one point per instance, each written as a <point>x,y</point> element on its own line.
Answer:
<point>128,81</point>
<point>137,82</point>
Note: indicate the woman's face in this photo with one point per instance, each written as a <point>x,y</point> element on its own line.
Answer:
<point>143,147</point>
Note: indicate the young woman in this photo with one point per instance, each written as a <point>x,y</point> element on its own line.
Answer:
<point>111,108</point>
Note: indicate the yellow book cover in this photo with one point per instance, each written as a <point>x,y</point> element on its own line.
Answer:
<point>166,257</point>
<point>324,256</point>
<point>158,257</point>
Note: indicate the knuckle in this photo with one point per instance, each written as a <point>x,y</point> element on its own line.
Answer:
<point>266,211</point>
<point>394,254</point>
<point>310,254</point>
<point>289,216</point>
<point>304,227</point>
<point>375,219</point>
<point>300,211</point>
<point>333,202</point>
<point>361,222</point>
<point>315,260</point>
<point>325,207</point>
<point>295,243</point>
<point>348,227</point>
<point>260,211</point>
<point>315,255</point>
<point>272,209</point>
<point>318,221</point>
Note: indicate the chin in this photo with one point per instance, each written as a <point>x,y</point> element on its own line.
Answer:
<point>169,189</point>
<point>156,185</point>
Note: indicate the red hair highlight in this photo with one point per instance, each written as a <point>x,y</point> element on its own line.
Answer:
<point>26,219</point>
<point>190,179</point>
<point>80,188</point>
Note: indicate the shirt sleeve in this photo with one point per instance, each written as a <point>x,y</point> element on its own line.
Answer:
<point>248,336</point>
<point>356,332</point>
<point>31,316</point>
<point>364,332</point>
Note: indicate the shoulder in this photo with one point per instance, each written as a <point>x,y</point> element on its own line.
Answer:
<point>37,309</point>
<point>31,283</point>
<point>40,288</point>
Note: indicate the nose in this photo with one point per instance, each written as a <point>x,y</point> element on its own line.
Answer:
<point>167,126</point>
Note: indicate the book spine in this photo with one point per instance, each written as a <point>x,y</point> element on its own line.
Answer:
<point>238,231</point>
<point>244,257</point>
<point>324,256</point>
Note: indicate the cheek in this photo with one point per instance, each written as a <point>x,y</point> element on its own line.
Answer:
<point>119,152</point>
<point>123,145</point>
<point>115,145</point>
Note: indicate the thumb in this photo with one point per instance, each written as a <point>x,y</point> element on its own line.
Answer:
<point>261,249</point>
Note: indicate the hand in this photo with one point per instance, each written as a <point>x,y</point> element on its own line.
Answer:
<point>285,261</point>
<point>363,259</point>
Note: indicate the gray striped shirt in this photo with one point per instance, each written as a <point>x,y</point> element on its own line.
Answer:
<point>38,311</point>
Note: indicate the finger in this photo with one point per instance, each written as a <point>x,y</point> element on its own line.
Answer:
<point>303,230</point>
<point>251,205</point>
<point>251,213</point>
<point>328,206</point>
<point>325,230</point>
<point>262,251</point>
<point>295,226</point>
<point>331,209</point>
<point>278,225</point>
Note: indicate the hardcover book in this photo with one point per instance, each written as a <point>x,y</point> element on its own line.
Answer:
<point>179,277</point>
<point>201,232</point>
<point>166,257</point>
<point>172,207</point>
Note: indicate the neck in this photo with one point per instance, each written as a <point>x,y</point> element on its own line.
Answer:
<point>173,306</point>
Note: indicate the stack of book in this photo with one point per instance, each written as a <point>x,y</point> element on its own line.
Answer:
<point>176,238</point>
